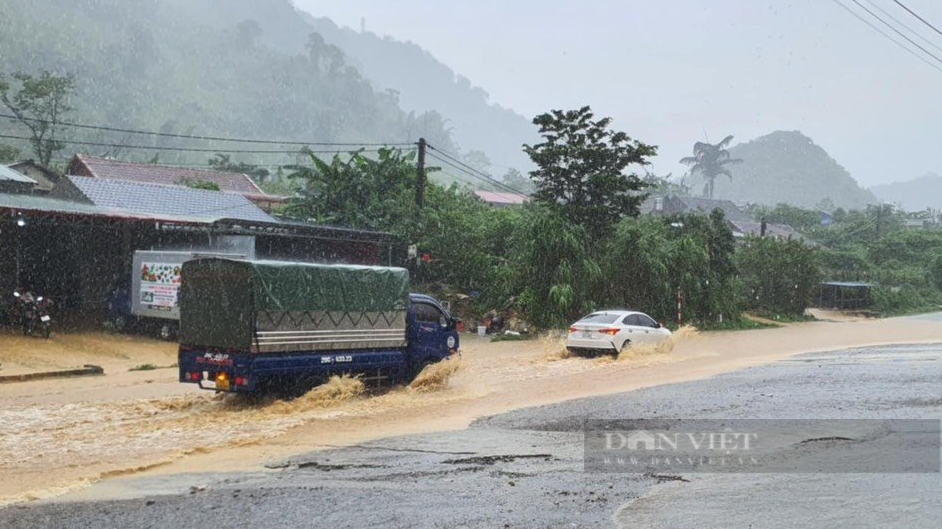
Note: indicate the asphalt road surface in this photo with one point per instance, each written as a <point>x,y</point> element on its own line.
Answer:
<point>525,468</point>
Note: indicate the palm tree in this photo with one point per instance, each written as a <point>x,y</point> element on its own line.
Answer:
<point>710,161</point>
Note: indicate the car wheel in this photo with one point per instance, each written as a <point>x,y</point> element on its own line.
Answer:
<point>625,346</point>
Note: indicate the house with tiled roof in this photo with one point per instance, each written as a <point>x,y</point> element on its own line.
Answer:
<point>158,199</point>
<point>144,173</point>
<point>739,222</point>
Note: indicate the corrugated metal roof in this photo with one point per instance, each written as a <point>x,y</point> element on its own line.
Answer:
<point>167,200</point>
<point>167,175</point>
<point>7,173</point>
<point>33,203</point>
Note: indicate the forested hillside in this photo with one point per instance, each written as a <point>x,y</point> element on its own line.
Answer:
<point>788,167</point>
<point>423,83</point>
<point>242,68</point>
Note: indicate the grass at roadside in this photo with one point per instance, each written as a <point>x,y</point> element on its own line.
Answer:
<point>151,367</point>
<point>510,337</point>
<point>738,324</point>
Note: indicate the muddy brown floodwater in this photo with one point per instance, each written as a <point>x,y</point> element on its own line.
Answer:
<point>62,435</point>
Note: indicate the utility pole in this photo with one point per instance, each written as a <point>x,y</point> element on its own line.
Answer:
<point>420,175</point>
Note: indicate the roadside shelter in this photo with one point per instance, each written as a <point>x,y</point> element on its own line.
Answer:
<point>844,295</point>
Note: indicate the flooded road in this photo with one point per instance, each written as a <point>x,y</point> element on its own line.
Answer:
<point>524,468</point>
<point>60,436</point>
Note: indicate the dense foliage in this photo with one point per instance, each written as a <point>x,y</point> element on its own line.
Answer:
<point>534,259</point>
<point>581,168</point>
<point>203,67</point>
<point>777,276</point>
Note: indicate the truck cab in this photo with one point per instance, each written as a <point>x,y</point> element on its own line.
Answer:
<point>431,330</point>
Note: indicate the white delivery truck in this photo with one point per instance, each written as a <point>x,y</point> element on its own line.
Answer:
<point>151,301</point>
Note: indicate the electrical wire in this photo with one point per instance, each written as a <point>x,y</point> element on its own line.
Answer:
<point>192,149</point>
<point>911,30</point>
<point>477,176</point>
<point>196,137</point>
<point>913,13</point>
<point>461,166</point>
<point>898,32</point>
<point>887,36</point>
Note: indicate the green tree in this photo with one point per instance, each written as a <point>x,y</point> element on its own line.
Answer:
<point>199,183</point>
<point>224,162</point>
<point>9,154</point>
<point>358,192</point>
<point>581,168</point>
<point>935,272</point>
<point>39,104</point>
<point>554,271</point>
<point>777,276</point>
<point>710,161</point>
<point>653,259</point>
<point>515,180</point>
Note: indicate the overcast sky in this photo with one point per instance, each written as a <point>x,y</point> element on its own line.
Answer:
<point>671,72</point>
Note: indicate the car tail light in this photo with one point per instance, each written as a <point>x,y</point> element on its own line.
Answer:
<point>238,381</point>
<point>610,332</point>
<point>195,376</point>
<point>572,330</point>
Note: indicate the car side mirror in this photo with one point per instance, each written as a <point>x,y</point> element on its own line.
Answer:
<point>657,325</point>
<point>443,322</point>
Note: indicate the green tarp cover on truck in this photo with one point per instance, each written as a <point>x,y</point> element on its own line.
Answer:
<point>270,306</point>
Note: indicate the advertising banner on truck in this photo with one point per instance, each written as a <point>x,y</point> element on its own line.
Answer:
<point>160,285</point>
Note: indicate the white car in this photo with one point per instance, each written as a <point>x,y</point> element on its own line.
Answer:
<point>610,331</point>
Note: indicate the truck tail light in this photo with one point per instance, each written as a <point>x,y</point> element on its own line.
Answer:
<point>610,332</point>
<point>239,381</point>
<point>195,376</point>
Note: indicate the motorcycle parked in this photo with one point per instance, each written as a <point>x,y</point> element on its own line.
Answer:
<point>33,314</point>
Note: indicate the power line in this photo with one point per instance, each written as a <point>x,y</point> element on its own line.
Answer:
<point>911,30</point>
<point>898,32</point>
<point>196,137</point>
<point>461,166</point>
<point>189,149</point>
<point>477,176</point>
<point>913,13</point>
<point>887,36</point>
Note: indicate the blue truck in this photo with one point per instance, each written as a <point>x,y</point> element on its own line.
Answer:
<point>250,326</point>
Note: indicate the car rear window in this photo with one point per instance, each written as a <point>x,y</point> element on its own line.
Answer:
<point>599,318</point>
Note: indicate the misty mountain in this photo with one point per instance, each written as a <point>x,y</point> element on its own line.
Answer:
<point>402,70</point>
<point>787,166</point>
<point>913,195</point>
<point>422,83</point>
<point>242,68</point>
